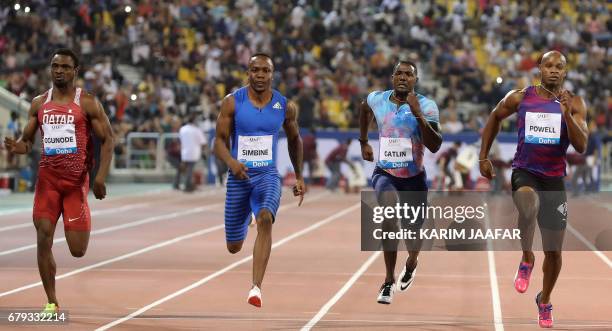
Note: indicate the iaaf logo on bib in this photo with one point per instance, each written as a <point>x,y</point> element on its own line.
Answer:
<point>543,115</point>
<point>254,139</point>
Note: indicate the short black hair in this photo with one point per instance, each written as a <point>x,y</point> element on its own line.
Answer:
<point>191,118</point>
<point>541,57</point>
<point>262,54</point>
<point>67,52</point>
<point>408,62</point>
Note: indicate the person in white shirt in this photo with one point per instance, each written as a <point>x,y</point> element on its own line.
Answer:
<point>192,142</point>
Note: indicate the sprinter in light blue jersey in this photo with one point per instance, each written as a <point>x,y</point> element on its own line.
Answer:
<point>407,124</point>
<point>251,118</point>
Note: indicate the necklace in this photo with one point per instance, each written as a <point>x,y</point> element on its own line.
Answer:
<point>549,91</point>
<point>399,102</point>
<point>396,99</point>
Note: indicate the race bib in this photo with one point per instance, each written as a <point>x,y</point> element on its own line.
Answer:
<point>395,152</point>
<point>542,128</point>
<point>255,151</point>
<point>59,139</point>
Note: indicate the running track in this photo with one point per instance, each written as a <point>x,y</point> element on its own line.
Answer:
<point>158,261</point>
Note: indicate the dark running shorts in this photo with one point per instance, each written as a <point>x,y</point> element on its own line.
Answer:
<point>553,200</point>
<point>383,181</point>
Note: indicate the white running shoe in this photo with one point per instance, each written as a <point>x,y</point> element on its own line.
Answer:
<point>255,297</point>
<point>385,294</point>
<point>405,279</point>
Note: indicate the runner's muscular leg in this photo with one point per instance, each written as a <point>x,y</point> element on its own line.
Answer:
<point>45,230</point>
<point>528,204</point>
<point>263,245</point>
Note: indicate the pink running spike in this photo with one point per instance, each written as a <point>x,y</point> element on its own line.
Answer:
<point>521,280</point>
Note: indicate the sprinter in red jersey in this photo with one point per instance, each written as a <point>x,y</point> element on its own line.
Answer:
<point>66,116</point>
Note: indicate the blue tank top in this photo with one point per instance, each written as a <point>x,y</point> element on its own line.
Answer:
<point>255,134</point>
<point>542,136</point>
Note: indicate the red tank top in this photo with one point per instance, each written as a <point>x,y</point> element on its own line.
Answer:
<point>65,133</point>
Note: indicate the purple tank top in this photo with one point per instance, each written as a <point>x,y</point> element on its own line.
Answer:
<point>542,136</point>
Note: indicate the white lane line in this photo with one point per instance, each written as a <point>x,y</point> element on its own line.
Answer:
<point>119,258</point>
<point>327,306</point>
<point>228,268</point>
<point>145,250</point>
<point>599,254</point>
<point>14,211</point>
<point>113,210</point>
<point>498,320</point>
<point>147,193</point>
<point>146,220</point>
<point>93,213</point>
<point>497,312</point>
<point>123,226</point>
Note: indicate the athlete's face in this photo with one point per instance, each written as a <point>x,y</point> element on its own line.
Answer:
<point>260,73</point>
<point>62,70</point>
<point>404,78</point>
<point>553,69</point>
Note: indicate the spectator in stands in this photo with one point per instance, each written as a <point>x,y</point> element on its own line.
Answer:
<point>586,162</point>
<point>452,124</point>
<point>444,161</point>
<point>309,143</point>
<point>13,129</point>
<point>192,143</point>
<point>334,160</point>
<point>166,60</point>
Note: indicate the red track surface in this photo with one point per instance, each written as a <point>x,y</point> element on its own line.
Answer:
<point>310,264</point>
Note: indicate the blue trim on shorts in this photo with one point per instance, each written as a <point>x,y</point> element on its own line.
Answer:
<point>243,197</point>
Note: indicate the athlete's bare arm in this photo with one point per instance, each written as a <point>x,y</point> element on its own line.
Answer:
<point>574,112</point>
<point>506,107</point>
<point>225,124</point>
<point>103,131</point>
<point>24,144</point>
<point>295,148</point>
<point>365,117</point>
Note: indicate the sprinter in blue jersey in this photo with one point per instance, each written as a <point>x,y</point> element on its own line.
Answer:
<point>251,118</point>
<point>407,123</point>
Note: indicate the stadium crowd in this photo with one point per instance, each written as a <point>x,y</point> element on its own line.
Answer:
<point>183,56</point>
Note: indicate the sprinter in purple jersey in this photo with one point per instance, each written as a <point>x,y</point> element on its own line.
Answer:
<point>549,119</point>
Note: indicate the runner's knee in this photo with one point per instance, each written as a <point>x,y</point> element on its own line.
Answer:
<point>556,255</point>
<point>44,233</point>
<point>78,252</point>
<point>234,247</point>
<point>264,220</point>
<point>527,202</point>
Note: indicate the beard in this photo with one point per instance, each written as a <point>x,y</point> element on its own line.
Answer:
<point>260,89</point>
<point>401,95</point>
<point>60,84</point>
